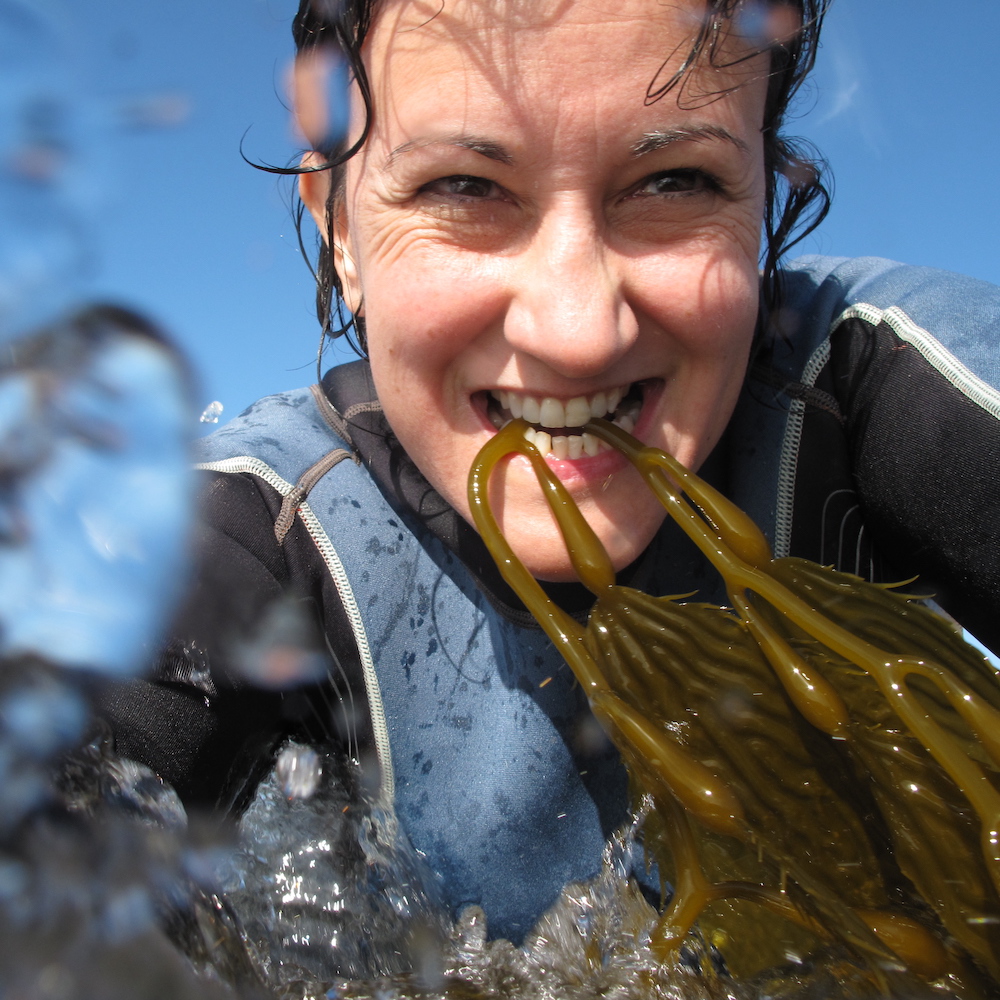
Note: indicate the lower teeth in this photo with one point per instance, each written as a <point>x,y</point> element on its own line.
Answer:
<point>569,446</point>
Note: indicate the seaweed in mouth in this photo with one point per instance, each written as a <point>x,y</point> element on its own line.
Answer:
<point>823,755</point>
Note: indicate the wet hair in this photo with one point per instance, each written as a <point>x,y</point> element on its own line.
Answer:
<point>796,197</point>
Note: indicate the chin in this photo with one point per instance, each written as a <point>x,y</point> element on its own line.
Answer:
<point>561,571</point>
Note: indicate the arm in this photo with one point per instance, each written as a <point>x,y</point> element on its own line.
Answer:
<point>875,399</point>
<point>200,721</point>
<point>924,440</point>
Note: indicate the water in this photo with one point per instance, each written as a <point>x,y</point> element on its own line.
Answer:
<point>298,772</point>
<point>95,490</point>
<point>211,413</point>
<point>327,887</point>
<point>107,891</point>
<point>98,881</point>
<point>334,903</point>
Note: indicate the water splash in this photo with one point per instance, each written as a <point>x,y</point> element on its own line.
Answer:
<point>286,650</point>
<point>327,887</point>
<point>96,490</point>
<point>593,943</point>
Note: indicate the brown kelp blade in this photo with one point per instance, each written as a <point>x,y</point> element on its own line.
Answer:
<point>707,683</point>
<point>832,727</point>
<point>694,672</point>
<point>935,834</point>
<point>777,602</point>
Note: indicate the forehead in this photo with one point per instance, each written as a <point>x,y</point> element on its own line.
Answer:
<point>519,57</point>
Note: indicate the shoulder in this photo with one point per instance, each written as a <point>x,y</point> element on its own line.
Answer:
<point>831,284</point>
<point>285,433</point>
<point>937,312</point>
<point>890,417</point>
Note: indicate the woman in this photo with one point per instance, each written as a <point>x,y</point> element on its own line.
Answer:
<point>551,211</point>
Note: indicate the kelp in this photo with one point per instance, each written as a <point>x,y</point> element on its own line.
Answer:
<point>823,756</point>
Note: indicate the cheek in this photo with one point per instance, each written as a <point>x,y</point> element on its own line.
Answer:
<point>430,313</point>
<point>430,432</point>
<point>430,283</point>
<point>707,301</point>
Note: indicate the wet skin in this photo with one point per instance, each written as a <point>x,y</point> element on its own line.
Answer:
<point>521,221</point>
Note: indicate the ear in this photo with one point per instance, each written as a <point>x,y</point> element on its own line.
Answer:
<point>331,221</point>
<point>314,190</point>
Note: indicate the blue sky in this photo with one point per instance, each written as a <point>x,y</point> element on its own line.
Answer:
<point>902,104</point>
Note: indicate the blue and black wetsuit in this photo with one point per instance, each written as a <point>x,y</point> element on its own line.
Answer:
<point>867,437</point>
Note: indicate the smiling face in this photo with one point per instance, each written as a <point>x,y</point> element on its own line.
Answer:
<point>525,236</point>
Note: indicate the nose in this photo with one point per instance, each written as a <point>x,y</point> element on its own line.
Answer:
<point>568,307</point>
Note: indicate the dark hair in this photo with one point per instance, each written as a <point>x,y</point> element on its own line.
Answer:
<point>797,199</point>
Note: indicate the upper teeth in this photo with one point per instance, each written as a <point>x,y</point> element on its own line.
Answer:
<point>551,412</point>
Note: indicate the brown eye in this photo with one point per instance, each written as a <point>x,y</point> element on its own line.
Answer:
<point>464,186</point>
<point>671,182</point>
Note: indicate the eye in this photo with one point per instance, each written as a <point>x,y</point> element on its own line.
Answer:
<point>464,187</point>
<point>677,182</point>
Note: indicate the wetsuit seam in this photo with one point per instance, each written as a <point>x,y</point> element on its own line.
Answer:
<point>931,350</point>
<point>789,457</point>
<point>327,550</point>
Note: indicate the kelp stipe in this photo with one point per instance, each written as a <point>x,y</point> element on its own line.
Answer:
<point>823,756</point>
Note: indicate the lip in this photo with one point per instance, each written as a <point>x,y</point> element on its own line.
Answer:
<point>589,470</point>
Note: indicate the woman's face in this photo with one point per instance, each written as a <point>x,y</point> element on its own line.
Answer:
<point>524,234</point>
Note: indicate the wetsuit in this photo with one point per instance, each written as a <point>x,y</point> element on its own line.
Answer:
<point>867,437</point>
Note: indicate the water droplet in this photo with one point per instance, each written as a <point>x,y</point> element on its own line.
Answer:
<point>43,717</point>
<point>212,413</point>
<point>285,651</point>
<point>298,771</point>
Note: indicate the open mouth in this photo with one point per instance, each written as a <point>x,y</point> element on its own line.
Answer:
<point>557,425</point>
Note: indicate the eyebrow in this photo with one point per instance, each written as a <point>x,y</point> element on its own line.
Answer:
<point>661,138</point>
<point>485,147</point>
<point>649,143</point>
